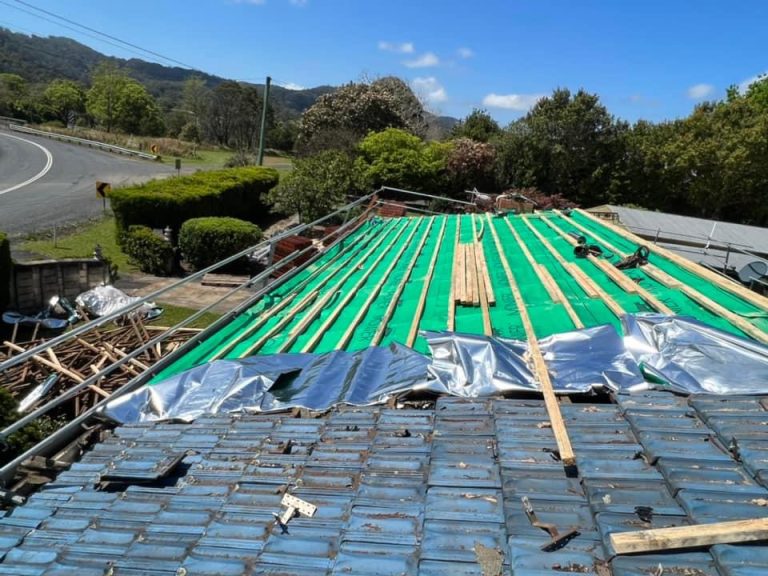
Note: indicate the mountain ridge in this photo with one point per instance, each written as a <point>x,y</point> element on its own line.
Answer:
<point>40,59</point>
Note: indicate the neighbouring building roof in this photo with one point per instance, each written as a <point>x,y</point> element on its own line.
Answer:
<point>413,491</point>
<point>699,239</point>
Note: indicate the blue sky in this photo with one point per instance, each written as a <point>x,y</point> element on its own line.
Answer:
<point>647,59</point>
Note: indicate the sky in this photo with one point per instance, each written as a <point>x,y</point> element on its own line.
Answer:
<point>649,59</point>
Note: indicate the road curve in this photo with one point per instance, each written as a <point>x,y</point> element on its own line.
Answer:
<point>15,162</point>
<point>66,192</point>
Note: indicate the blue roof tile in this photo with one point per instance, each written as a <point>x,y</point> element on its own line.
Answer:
<point>398,491</point>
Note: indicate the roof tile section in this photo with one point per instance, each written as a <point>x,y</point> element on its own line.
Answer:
<point>416,491</point>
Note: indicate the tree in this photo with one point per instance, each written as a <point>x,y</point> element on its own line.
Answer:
<point>196,97</point>
<point>566,144</point>
<point>316,185</point>
<point>477,126</point>
<point>407,105</point>
<point>233,117</point>
<point>470,164</point>
<point>355,108</point>
<point>718,158</point>
<point>396,158</point>
<point>117,101</point>
<point>13,95</point>
<point>340,119</point>
<point>757,93</point>
<point>65,100</point>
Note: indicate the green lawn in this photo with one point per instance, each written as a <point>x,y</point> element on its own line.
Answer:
<point>79,243</point>
<point>172,315</point>
<point>217,158</point>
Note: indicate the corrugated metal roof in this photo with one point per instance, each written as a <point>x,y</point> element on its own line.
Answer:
<point>677,232</point>
<point>750,237</point>
<point>414,491</point>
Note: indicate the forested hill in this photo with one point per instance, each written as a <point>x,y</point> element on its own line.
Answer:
<point>39,60</point>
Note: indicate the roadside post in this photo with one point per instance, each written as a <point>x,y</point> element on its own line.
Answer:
<point>102,189</point>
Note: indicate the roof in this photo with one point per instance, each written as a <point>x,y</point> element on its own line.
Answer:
<point>681,230</point>
<point>392,278</point>
<point>427,491</point>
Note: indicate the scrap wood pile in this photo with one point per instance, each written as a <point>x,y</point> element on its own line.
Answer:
<point>47,375</point>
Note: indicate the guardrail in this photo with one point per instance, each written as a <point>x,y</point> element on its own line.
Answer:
<point>83,142</point>
<point>9,120</point>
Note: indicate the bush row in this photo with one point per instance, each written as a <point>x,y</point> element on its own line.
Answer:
<point>202,241</point>
<point>205,241</point>
<point>5,271</point>
<point>171,202</point>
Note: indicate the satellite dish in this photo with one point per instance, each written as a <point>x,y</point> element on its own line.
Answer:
<point>755,270</point>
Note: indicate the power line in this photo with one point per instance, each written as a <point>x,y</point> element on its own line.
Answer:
<point>68,28</point>
<point>105,35</point>
<point>115,41</point>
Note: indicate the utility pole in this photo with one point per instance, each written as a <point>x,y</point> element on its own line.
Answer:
<point>263,130</point>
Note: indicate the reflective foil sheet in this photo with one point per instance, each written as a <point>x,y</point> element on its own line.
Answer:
<point>103,300</point>
<point>276,382</point>
<point>578,362</point>
<point>690,357</point>
<point>461,365</point>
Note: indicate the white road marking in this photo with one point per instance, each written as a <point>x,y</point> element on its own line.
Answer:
<point>43,172</point>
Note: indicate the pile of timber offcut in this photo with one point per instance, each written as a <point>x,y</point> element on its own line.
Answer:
<point>72,362</point>
<point>470,275</point>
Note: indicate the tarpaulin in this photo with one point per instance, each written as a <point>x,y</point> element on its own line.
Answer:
<point>690,357</point>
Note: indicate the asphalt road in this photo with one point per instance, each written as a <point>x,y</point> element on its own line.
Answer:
<point>45,183</point>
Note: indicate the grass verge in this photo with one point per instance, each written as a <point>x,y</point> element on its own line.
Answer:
<point>80,241</point>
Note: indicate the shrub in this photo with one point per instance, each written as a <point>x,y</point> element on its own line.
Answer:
<point>205,241</point>
<point>240,158</point>
<point>5,271</point>
<point>171,202</point>
<point>150,252</point>
<point>316,186</point>
<point>401,160</point>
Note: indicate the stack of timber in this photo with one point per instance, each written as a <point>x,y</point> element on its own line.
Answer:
<point>470,276</point>
<point>73,361</point>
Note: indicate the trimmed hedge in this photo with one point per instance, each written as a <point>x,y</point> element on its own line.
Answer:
<point>150,252</point>
<point>171,202</point>
<point>205,241</point>
<point>5,271</point>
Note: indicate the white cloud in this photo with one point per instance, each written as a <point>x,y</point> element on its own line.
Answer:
<point>292,86</point>
<point>700,91</point>
<point>430,89</point>
<point>519,102</point>
<point>398,48</point>
<point>254,2</point>
<point>465,53</point>
<point>298,2</point>
<point>744,86</point>
<point>426,60</point>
